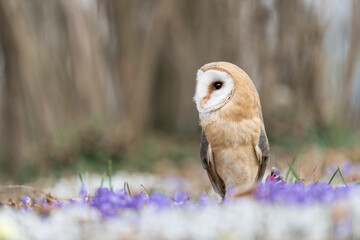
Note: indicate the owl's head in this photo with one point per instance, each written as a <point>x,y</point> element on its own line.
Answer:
<point>214,87</point>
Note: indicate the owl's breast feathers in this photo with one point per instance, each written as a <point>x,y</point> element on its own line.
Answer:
<point>237,157</point>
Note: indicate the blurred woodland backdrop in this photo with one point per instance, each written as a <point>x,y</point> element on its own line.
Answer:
<point>87,79</point>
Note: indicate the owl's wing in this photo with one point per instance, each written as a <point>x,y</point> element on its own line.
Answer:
<point>263,153</point>
<point>208,163</point>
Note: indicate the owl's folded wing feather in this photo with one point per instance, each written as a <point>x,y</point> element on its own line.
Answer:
<point>263,153</point>
<point>208,163</point>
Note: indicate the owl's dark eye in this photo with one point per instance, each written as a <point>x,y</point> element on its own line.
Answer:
<point>218,85</point>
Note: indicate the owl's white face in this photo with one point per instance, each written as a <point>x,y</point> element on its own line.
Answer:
<point>213,90</point>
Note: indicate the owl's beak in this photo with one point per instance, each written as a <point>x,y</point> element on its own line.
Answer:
<point>204,101</point>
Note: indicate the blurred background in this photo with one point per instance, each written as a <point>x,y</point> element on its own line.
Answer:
<point>85,81</point>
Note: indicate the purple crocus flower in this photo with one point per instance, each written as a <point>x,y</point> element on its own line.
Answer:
<point>103,202</point>
<point>26,200</point>
<point>202,199</point>
<point>181,198</point>
<point>160,200</point>
<point>298,193</point>
<point>137,201</point>
<point>275,172</point>
<point>110,203</point>
<point>206,201</point>
<point>84,191</point>
<point>270,180</point>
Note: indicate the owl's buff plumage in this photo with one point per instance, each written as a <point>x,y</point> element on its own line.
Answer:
<point>234,145</point>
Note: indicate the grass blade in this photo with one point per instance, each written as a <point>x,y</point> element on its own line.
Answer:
<point>127,188</point>
<point>110,175</point>
<point>146,191</point>
<point>102,181</point>
<point>87,180</point>
<point>332,177</point>
<point>293,171</point>
<point>342,177</point>
<point>81,178</point>
<point>292,164</point>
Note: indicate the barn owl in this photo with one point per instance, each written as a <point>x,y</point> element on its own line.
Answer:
<point>234,148</point>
